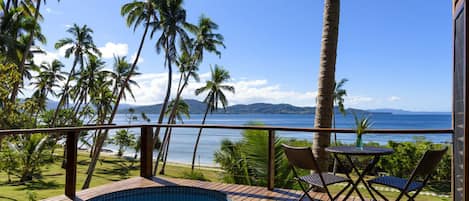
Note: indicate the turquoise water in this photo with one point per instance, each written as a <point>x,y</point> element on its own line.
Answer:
<point>182,141</point>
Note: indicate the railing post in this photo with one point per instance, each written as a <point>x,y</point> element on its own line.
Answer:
<point>271,161</point>
<point>146,151</point>
<point>71,165</point>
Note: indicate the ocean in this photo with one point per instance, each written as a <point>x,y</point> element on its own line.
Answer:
<point>183,139</point>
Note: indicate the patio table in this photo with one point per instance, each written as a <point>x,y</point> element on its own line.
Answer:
<point>348,151</point>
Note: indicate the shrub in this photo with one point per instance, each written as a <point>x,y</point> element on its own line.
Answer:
<point>195,175</point>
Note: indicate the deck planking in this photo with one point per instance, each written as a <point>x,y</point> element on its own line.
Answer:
<point>234,191</point>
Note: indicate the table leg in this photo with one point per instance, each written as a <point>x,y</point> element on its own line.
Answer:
<point>354,186</point>
<point>361,175</point>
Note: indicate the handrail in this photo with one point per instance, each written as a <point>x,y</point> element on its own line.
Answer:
<point>146,151</point>
<point>217,126</point>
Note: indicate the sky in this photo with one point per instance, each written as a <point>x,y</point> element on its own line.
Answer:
<point>395,54</point>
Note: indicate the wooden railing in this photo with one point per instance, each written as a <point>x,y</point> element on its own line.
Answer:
<point>146,150</point>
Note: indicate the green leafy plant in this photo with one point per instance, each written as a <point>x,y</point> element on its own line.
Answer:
<point>362,123</point>
<point>194,175</point>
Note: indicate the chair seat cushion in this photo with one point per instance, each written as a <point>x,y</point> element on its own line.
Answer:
<point>329,179</point>
<point>395,182</point>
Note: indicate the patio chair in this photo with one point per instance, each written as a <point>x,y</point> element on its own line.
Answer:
<point>303,158</point>
<point>425,167</point>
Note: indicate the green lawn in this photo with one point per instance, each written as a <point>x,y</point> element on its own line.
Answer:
<point>110,169</point>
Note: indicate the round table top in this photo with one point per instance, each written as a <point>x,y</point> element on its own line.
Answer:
<point>350,150</point>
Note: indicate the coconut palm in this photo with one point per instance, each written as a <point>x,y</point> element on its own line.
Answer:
<point>80,46</point>
<point>136,13</point>
<point>173,25</point>
<point>325,97</point>
<point>48,77</point>
<point>86,82</point>
<point>29,149</point>
<point>215,88</point>
<point>121,70</point>
<point>192,55</point>
<point>181,108</point>
<point>205,40</point>
<point>29,42</point>
<point>339,94</point>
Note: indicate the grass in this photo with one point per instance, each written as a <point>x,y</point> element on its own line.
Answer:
<point>108,170</point>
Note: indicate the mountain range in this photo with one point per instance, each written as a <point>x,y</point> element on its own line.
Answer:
<point>198,107</point>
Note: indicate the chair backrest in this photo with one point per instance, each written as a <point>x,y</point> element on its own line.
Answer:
<point>428,163</point>
<point>300,157</point>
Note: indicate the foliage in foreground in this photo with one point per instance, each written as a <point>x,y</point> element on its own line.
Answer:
<point>245,161</point>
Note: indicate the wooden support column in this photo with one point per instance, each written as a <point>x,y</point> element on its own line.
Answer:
<point>146,152</point>
<point>271,161</point>
<point>71,165</point>
<point>460,167</point>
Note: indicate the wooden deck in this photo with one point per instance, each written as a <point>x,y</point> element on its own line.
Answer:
<point>234,191</point>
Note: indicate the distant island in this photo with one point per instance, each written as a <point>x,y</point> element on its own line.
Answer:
<point>198,107</point>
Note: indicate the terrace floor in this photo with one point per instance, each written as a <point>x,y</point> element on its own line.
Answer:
<point>234,191</point>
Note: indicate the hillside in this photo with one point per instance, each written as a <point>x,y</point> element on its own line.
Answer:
<point>197,107</point>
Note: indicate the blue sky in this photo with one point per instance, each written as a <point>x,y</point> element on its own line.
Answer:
<point>395,54</point>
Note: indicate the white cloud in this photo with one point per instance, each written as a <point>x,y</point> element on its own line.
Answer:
<point>111,49</point>
<point>140,58</point>
<point>358,101</point>
<point>394,98</point>
<point>47,57</point>
<point>153,88</point>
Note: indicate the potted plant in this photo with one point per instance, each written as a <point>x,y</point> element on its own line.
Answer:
<point>362,123</point>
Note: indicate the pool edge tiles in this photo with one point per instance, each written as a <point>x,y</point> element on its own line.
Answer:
<point>164,193</point>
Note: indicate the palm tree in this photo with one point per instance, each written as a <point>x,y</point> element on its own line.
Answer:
<point>325,97</point>
<point>339,94</point>
<point>80,46</point>
<point>121,70</point>
<point>86,82</point>
<point>181,108</point>
<point>172,24</point>
<point>136,12</point>
<point>17,26</point>
<point>191,57</point>
<point>47,79</point>
<point>215,88</point>
<point>29,43</point>
<point>205,40</point>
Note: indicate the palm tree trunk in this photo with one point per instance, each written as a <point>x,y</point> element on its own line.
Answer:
<point>163,108</point>
<point>22,64</point>
<point>334,170</point>
<point>325,101</point>
<point>172,116</point>
<point>96,153</point>
<point>7,7</point>
<point>166,151</point>
<point>64,95</point>
<point>198,138</point>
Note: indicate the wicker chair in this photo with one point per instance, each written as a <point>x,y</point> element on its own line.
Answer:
<point>427,164</point>
<point>303,158</point>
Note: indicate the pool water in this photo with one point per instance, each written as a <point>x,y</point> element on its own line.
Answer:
<point>165,193</point>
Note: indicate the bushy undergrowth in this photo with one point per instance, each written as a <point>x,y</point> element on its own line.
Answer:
<point>245,161</point>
